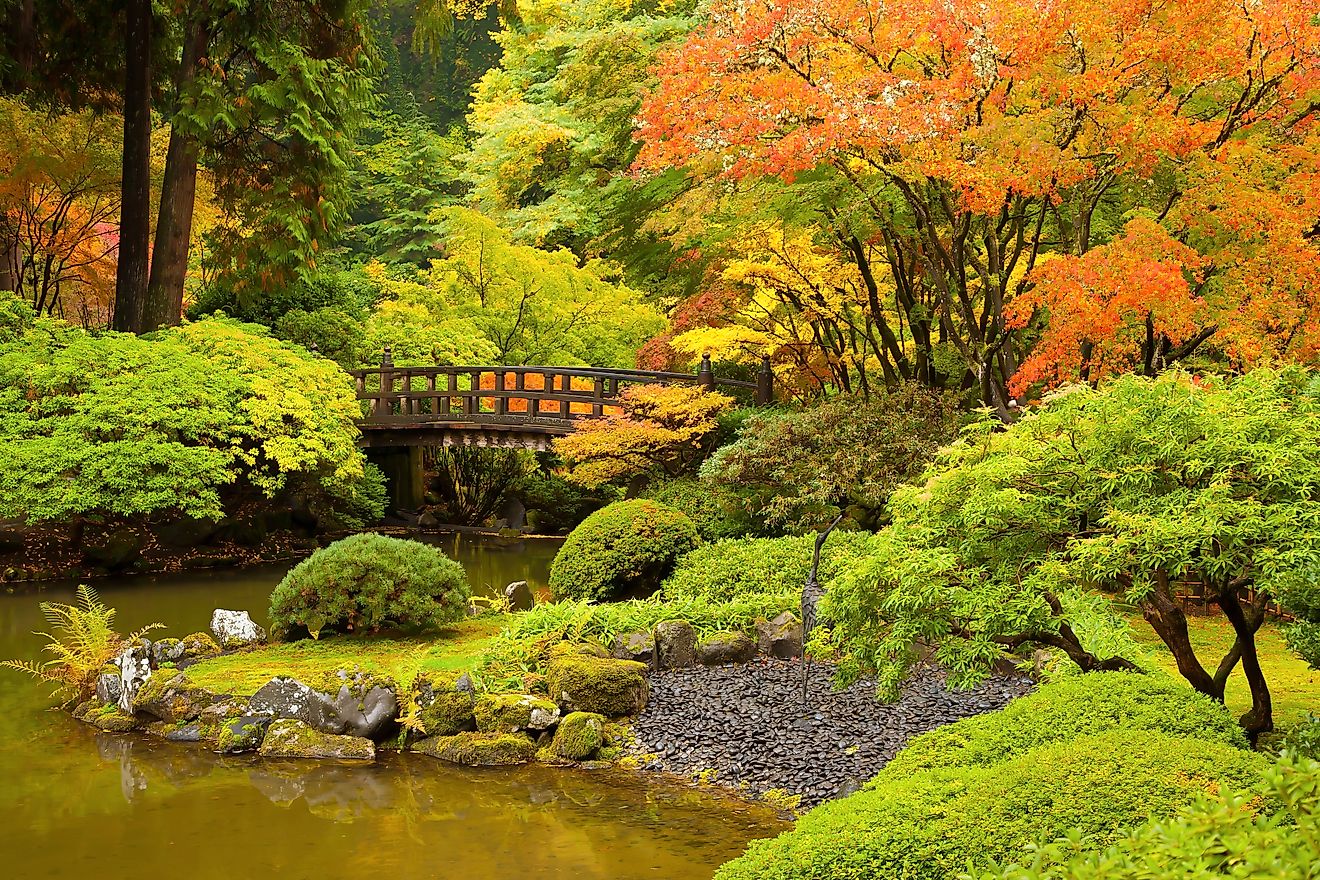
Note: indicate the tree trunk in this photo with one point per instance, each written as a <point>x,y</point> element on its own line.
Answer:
<point>178,196</point>
<point>9,259</point>
<point>1162,612</point>
<point>1260,718</point>
<point>135,183</point>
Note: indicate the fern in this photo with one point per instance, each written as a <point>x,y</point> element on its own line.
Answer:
<point>82,641</point>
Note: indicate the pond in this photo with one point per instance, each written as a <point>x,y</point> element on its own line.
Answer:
<point>78,803</point>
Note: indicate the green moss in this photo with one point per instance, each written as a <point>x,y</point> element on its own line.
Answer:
<point>199,645</point>
<point>241,734</point>
<point>170,696</point>
<point>111,718</point>
<point>316,662</point>
<point>593,684</point>
<point>510,713</point>
<point>439,704</point>
<point>480,749</point>
<point>289,738</point>
<point>579,736</point>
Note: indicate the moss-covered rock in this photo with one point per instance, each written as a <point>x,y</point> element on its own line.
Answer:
<point>83,709</point>
<point>725,647</point>
<point>511,713</point>
<point>113,719</point>
<point>289,738</point>
<point>172,697</point>
<point>479,749</point>
<point>444,702</point>
<point>242,734</point>
<point>595,684</point>
<point>579,736</point>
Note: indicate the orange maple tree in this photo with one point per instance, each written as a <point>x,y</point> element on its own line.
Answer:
<point>1139,140</point>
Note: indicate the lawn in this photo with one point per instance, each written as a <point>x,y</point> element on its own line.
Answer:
<point>1294,686</point>
<point>315,661</point>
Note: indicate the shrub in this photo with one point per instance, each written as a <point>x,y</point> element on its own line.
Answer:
<point>367,582</point>
<point>1215,838</point>
<point>1070,707</point>
<point>333,334</point>
<point>935,825</point>
<point>738,567</point>
<point>807,466</point>
<point>627,547</point>
<point>718,511</point>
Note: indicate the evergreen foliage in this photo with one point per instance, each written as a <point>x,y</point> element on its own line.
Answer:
<point>620,550</point>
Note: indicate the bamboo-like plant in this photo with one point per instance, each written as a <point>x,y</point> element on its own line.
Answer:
<point>82,641</point>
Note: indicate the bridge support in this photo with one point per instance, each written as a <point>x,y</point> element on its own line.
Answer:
<point>405,477</point>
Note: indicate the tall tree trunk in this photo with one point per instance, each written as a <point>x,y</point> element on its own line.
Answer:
<point>9,259</point>
<point>178,195</point>
<point>135,183</point>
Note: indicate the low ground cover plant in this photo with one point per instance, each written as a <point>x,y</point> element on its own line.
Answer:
<point>731,568</point>
<point>366,583</point>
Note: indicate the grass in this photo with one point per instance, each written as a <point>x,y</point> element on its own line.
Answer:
<point>315,662</point>
<point>1294,686</point>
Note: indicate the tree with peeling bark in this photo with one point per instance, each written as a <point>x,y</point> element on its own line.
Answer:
<point>1147,490</point>
<point>951,146</point>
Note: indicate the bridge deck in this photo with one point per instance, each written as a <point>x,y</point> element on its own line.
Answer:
<point>506,406</point>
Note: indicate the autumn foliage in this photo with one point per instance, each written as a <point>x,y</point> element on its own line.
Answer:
<point>660,429</point>
<point>1166,154</point>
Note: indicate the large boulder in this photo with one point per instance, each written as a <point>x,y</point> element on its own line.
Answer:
<point>235,629</point>
<point>134,665</point>
<point>675,644</point>
<point>112,719</point>
<point>579,736</point>
<point>172,698</point>
<point>290,738</point>
<point>479,749</point>
<point>581,683</point>
<point>781,637</point>
<point>512,713</point>
<point>637,646</point>
<point>108,685</point>
<point>444,701</point>
<point>242,734</point>
<point>363,705</point>
<point>725,647</point>
<point>520,597</point>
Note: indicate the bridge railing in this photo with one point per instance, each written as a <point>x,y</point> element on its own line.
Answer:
<point>396,395</point>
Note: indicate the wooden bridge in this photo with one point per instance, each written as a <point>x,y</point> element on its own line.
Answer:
<point>408,408</point>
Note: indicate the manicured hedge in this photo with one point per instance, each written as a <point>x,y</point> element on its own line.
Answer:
<point>935,825</point>
<point>369,582</point>
<point>1065,709</point>
<point>728,569</point>
<point>624,549</point>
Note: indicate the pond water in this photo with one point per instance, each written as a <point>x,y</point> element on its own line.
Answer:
<point>77,803</point>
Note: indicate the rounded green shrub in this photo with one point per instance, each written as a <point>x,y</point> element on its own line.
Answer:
<point>1074,706</point>
<point>365,583</point>
<point>718,511</point>
<point>626,548</point>
<point>732,568</point>
<point>935,825</point>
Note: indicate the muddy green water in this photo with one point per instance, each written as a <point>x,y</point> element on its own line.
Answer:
<point>76,803</point>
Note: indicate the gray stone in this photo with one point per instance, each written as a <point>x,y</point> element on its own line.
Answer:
<point>290,738</point>
<point>188,733</point>
<point>675,644</point>
<point>781,637</point>
<point>134,664</point>
<point>639,646</point>
<point>520,596</point>
<point>108,688</point>
<point>172,698</point>
<point>362,706</point>
<point>235,629</point>
<point>427,520</point>
<point>726,647</point>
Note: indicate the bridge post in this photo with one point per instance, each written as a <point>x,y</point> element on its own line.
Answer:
<point>706,373</point>
<point>765,383</point>
<point>405,476</point>
<point>384,404</point>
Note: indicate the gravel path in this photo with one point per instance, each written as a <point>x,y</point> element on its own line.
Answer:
<point>747,723</point>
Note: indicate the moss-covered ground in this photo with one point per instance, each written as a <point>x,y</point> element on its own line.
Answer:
<point>1295,687</point>
<point>460,646</point>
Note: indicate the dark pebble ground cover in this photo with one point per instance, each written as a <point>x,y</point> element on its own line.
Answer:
<point>748,724</point>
